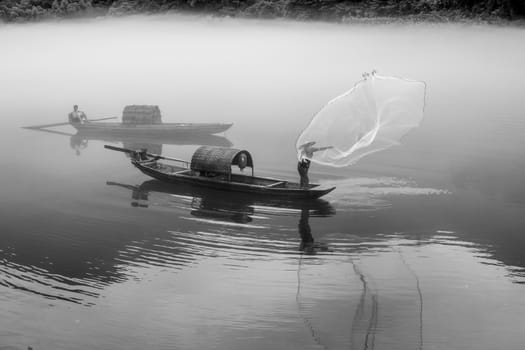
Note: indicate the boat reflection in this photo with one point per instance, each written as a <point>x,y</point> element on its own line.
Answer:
<point>238,208</point>
<point>152,143</point>
<point>74,258</point>
<point>80,141</point>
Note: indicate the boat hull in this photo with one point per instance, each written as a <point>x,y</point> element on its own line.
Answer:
<point>164,129</point>
<point>236,201</point>
<point>288,190</point>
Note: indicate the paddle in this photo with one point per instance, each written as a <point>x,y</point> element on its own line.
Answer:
<point>60,124</point>
<point>125,150</point>
<point>158,156</point>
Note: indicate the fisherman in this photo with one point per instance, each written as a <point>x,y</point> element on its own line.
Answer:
<point>307,152</point>
<point>77,116</point>
<point>141,155</point>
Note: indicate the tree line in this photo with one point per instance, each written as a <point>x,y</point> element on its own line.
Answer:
<point>28,10</point>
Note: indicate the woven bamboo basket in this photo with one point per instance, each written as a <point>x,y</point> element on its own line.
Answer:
<point>141,114</point>
<point>218,159</point>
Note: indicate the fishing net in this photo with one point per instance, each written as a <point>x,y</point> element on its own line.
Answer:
<point>374,115</point>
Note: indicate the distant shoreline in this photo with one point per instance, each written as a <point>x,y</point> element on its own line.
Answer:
<point>366,11</point>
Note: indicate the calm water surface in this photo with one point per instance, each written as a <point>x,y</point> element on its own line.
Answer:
<point>419,247</point>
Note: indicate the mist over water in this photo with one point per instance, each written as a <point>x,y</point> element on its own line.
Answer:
<point>420,246</point>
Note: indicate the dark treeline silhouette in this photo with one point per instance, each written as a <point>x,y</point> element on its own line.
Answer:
<point>28,10</point>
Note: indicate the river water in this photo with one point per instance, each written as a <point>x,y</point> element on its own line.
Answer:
<point>419,247</point>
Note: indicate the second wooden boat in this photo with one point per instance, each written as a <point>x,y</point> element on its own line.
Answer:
<point>145,120</point>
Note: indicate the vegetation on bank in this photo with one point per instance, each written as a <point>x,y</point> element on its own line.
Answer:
<point>31,10</point>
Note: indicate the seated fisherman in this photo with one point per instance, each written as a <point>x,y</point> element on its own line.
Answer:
<point>77,116</point>
<point>143,156</point>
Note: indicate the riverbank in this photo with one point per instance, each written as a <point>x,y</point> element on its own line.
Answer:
<point>495,11</point>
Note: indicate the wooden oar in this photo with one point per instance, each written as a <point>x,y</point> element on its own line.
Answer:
<point>120,149</point>
<point>60,124</point>
<point>158,156</point>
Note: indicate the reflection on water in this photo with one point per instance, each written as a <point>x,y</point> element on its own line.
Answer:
<point>234,208</point>
<point>322,278</point>
<point>213,207</point>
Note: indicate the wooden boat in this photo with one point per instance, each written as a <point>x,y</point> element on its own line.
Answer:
<point>137,121</point>
<point>211,167</point>
<point>160,129</point>
<point>146,120</point>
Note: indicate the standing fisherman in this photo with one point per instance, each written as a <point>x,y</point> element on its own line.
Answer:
<point>77,116</point>
<point>307,152</point>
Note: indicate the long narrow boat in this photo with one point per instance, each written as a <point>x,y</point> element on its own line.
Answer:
<point>145,120</point>
<point>211,167</point>
<point>160,129</point>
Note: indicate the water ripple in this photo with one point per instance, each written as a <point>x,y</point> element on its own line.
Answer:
<point>51,286</point>
<point>369,194</point>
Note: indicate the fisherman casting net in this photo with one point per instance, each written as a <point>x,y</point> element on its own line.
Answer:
<point>374,115</point>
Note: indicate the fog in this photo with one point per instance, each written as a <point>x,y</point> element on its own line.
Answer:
<point>242,71</point>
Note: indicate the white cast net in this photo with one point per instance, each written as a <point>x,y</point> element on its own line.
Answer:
<point>374,115</point>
